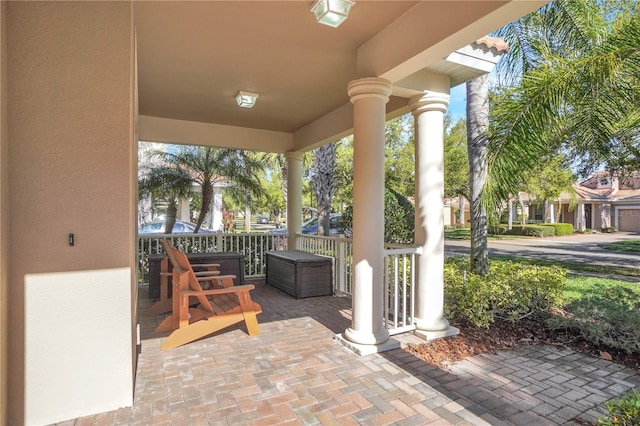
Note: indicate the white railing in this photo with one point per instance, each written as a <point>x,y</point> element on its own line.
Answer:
<point>340,249</point>
<point>400,268</point>
<point>252,245</point>
<point>399,263</point>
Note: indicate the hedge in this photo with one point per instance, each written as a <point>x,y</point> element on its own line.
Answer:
<point>561,228</point>
<point>511,291</point>
<point>533,231</point>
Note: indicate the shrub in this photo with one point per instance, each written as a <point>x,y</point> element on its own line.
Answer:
<point>498,229</point>
<point>623,411</point>
<point>561,228</point>
<point>604,316</point>
<point>609,230</point>
<point>399,222</point>
<point>533,231</point>
<point>511,291</point>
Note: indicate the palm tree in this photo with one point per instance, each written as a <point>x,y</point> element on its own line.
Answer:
<point>168,183</point>
<point>324,183</point>
<point>477,146</point>
<point>456,164</point>
<point>575,91</point>
<point>575,73</point>
<point>207,166</point>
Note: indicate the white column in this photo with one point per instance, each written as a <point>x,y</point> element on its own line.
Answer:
<point>294,196</point>
<point>216,209</point>
<point>367,333</point>
<point>580,219</point>
<point>184,210</point>
<point>428,111</point>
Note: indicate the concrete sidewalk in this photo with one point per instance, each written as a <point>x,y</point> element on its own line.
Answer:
<point>294,374</point>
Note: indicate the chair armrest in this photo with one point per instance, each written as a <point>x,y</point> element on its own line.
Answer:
<point>228,290</point>
<point>206,273</point>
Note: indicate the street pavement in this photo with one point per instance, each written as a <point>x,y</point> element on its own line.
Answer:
<point>577,248</point>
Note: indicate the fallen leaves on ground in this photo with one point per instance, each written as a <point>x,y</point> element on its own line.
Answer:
<point>504,335</point>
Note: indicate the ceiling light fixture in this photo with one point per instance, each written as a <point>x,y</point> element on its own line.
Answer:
<point>332,12</point>
<point>246,99</point>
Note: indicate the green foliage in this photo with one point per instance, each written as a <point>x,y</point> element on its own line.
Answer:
<point>456,160</point>
<point>586,231</point>
<point>604,315</point>
<point>344,173</point>
<point>624,411</point>
<point>457,233</point>
<point>400,154</point>
<point>561,228</point>
<point>533,231</point>
<point>271,198</point>
<point>510,291</point>
<point>550,178</point>
<point>609,230</point>
<point>632,245</point>
<point>399,222</point>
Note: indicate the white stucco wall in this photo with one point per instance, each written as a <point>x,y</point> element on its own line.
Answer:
<point>76,353</point>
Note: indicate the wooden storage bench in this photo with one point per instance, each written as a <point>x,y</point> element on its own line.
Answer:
<point>299,273</point>
<point>231,263</point>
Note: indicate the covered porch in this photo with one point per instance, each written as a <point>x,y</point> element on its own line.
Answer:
<point>82,82</point>
<point>294,373</point>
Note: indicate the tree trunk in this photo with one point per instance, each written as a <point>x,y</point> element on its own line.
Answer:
<point>207,197</point>
<point>172,210</point>
<point>510,214</point>
<point>461,203</point>
<point>247,211</point>
<point>324,164</point>
<point>478,142</point>
<point>285,177</point>
<point>523,219</point>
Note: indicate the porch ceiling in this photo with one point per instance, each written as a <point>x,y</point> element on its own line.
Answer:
<point>193,57</point>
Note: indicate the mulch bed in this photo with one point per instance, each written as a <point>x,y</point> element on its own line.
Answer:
<point>506,335</point>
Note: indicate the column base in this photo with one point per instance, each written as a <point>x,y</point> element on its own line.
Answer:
<point>364,350</point>
<point>437,334</point>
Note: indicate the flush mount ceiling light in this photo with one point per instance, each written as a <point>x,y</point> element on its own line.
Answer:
<point>332,12</point>
<point>246,99</point>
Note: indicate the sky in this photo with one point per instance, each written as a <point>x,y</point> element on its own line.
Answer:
<point>458,102</point>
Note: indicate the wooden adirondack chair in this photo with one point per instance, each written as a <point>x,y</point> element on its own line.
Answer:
<point>164,305</point>
<point>228,305</point>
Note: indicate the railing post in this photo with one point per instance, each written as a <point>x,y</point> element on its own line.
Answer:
<point>219,241</point>
<point>340,265</point>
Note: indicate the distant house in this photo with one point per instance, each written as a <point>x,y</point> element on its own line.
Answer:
<point>452,212</point>
<point>600,201</point>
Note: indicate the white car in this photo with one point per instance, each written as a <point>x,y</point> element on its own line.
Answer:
<point>179,227</point>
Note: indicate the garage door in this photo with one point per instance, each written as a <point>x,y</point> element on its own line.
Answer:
<point>629,220</point>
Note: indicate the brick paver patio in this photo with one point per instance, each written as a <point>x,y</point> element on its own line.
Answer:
<point>293,373</point>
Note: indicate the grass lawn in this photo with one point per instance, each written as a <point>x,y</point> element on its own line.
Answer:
<point>577,286</point>
<point>629,272</point>
<point>625,245</point>
<point>465,234</point>
<point>457,233</point>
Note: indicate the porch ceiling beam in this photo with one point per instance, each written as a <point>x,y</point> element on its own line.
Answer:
<point>414,41</point>
<point>338,124</point>
<point>156,129</point>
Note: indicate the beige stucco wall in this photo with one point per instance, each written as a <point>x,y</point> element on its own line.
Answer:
<point>70,145</point>
<point>4,205</point>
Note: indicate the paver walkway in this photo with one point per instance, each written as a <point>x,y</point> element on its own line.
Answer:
<point>294,373</point>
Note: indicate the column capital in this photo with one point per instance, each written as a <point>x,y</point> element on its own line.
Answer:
<point>294,155</point>
<point>429,101</point>
<point>369,87</point>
